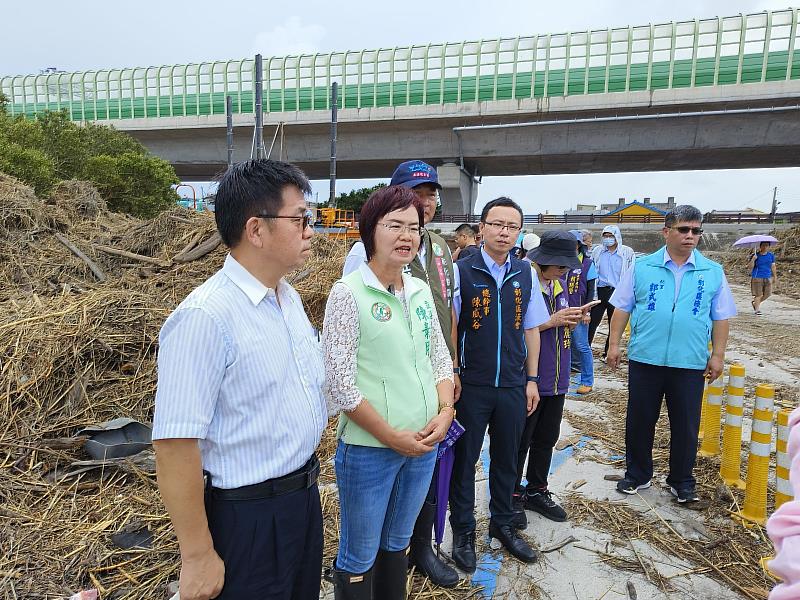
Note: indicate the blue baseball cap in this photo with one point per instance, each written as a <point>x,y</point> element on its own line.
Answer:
<point>413,173</point>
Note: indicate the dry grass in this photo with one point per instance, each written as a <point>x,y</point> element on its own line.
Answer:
<point>74,352</point>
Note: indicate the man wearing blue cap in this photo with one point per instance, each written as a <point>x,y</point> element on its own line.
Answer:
<point>434,265</point>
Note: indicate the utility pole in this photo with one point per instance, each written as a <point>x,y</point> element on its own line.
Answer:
<point>229,128</point>
<point>258,140</point>
<point>774,204</point>
<point>334,118</point>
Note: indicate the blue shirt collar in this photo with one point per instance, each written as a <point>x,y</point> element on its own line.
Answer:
<point>493,266</point>
<point>246,281</point>
<point>668,258</point>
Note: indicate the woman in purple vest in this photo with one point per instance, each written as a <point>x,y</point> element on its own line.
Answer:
<point>552,259</point>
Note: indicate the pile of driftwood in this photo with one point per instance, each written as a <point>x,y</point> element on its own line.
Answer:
<point>83,294</point>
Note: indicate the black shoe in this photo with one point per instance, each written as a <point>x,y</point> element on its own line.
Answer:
<point>520,519</point>
<point>390,575</point>
<point>629,486</point>
<point>423,557</point>
<point>542,502</point>
<point>464,551</point>
<point>509,537</point>
<point>684,496</point>
<point>352,586</point>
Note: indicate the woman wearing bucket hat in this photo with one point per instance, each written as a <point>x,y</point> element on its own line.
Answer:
<point>555,255</point>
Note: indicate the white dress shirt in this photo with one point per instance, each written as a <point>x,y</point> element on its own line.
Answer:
<point>242,373</point>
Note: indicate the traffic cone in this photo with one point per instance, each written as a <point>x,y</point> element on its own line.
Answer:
<point>703,409</point>
<point>783,489</point>
<point>732,434</point>
<point>755,497</point>
<point>712,423</point>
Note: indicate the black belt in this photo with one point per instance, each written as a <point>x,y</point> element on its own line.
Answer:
<point>303,478</point>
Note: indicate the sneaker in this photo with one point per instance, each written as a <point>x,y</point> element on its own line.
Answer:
<point>629,486</point>
<point>583,389</point>
<point>684,496</point>
<point>520,519</point>
<point>542,502</point>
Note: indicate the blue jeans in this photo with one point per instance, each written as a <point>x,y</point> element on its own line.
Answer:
<point>580,341</point>
<point>380,495</point>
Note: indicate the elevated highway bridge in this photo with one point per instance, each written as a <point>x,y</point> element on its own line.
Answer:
<point>698,94</point>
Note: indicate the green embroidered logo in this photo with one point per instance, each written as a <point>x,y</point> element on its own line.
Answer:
<point>381,312</point>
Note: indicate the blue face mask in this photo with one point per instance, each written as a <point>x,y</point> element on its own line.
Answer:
<point>609,241</point>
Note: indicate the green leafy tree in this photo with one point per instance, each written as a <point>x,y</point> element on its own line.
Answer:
<point>133,183</point>
<point>42,151</point>
<point>30,165</point>
<point>355,200</point>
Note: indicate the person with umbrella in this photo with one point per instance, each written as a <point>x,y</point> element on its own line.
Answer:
<point>763,276</point>
<point>389,375</point>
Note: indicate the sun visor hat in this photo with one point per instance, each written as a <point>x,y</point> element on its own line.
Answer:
<point>556,248</point>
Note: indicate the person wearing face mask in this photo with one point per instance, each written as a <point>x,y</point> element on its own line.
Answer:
<point>611,258</point>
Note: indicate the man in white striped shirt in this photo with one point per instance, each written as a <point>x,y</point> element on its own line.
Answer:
<point>239,397</point>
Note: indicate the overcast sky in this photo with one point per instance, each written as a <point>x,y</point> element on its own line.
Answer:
<point>91,34</point>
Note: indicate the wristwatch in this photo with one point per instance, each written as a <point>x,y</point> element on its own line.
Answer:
<point>457,370</point>
<point>533,378</point>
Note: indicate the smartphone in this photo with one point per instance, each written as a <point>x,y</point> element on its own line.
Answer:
<point>589,305</point>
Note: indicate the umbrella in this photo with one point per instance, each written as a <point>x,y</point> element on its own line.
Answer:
<point>754,241</point>
<point>446,458</point>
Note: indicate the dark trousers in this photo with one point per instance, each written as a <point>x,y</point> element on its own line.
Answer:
<point>648,385</point>
<point>503,410</point>
<point>539,437</point>
<point>598,310</point>
<point>272,548</point>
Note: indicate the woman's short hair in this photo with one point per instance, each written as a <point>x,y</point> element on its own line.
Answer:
<point>380,203</point>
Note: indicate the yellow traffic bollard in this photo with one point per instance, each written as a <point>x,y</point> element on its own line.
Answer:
<point>711,423</point>
<point>755,497</point>
<point>783,489</point>
<point>732,434</point>
<point>701,433</point>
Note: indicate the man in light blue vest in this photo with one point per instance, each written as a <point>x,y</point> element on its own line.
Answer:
<point>677,301</point>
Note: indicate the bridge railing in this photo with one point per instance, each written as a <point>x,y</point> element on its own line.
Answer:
<point>562,219</point>
<point>791,217</point>
<point>740,49</point>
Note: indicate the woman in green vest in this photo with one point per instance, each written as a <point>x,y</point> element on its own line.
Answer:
<point>389,376</point>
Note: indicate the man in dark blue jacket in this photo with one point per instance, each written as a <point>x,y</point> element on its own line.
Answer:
<point>498,350</point>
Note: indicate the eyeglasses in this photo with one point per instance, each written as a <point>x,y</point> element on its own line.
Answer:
<point>306,218</point>
<point>397,229</point>
<point>498,226</point>
<point>684,229</point>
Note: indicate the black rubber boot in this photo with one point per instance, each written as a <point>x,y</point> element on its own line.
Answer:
<point>422,555</point>
<point>353,586</point>
<point>391,575</point>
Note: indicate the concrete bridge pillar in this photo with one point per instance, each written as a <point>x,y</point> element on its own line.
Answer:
<point>459,190</point>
